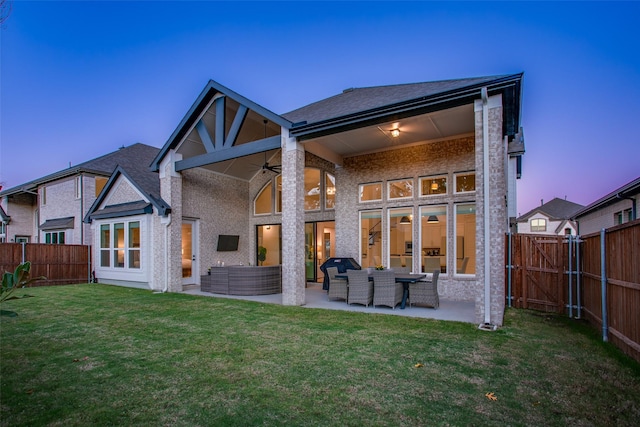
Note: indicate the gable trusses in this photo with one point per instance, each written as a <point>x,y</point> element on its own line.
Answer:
<point>222,125</point>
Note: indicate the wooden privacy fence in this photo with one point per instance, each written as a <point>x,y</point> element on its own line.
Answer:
<point>564,274</point>
<point>60,264</point>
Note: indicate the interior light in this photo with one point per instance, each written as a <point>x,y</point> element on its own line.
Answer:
<point>405,220</point>
<point>432,219</point>
<point>395,133</point>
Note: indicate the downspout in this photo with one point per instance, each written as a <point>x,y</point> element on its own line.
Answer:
<point>487,222</point>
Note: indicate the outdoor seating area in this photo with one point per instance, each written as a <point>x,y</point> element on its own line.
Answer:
<point>388,288</point>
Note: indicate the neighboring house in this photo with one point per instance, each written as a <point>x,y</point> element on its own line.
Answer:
<point>4,220</point>
<point>551,218</point>
<point>617,207</point>
<point>51,209</point>
<point>411,174</point>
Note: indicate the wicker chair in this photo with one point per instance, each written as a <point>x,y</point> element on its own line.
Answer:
<point>337,287</point>
<point>386,291</point>
<point>360,288</point>
<point>425,292</point>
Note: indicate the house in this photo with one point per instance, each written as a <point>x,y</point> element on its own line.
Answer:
<point>4,220</point>
<point>411,174</point>
<point>51,209</point>
<point>618,207</point>
<point>551,218</point>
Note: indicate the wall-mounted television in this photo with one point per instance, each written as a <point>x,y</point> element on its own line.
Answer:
<point>227,243</point>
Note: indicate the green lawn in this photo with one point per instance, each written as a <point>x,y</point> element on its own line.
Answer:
<point>100,355</point>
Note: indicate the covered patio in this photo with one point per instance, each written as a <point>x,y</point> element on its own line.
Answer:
<point>316,297</point>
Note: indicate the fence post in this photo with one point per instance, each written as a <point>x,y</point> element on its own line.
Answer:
<point>510,269</point>
<point>603,283</point>
<point>578,240</point>
<point>570,250</point>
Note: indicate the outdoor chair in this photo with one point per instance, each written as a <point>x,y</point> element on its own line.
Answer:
<point>360,288</point>
<point>423,292</point>
<point>386,291</point>
<point>337,287</point>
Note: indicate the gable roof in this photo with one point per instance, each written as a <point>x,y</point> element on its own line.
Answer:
<point>202,102</point>
<point>130,157</point>
<point>630,189</point>
<point>145,181</point>
<point>363,106</point>
<point>556,209</point>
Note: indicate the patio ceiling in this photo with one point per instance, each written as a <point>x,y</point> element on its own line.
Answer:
<point>334,147</point>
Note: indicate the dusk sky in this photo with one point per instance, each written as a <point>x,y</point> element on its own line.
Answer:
<point>81,79</point>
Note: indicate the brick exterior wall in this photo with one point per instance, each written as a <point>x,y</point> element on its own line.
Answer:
<point>435,158</point>
<point>22,210</point>
<point>220,205</point>
<point>61,203</point>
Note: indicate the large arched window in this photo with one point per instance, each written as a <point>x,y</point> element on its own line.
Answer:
<point>317,195</point>
<point>262,204</point>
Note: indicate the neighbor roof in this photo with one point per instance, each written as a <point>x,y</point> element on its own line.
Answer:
<point>135,156</point>
<point>627,190</point>
<point>556,209</point>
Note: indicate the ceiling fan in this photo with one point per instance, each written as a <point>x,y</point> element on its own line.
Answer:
<point>265,166</point>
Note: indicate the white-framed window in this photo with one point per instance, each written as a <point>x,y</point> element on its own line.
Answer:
<point>465,182</point>
<point>329,191</point>
<point>400,237</point>
<point>54,237</point>
<point>465,242</point>
<point>43,199</point>
<point>622,217</point>
<point>433,185</point>
<point>433,238</point>
<point>262,203</point>
<point>312,193</point>
<point>120,245</point>
<point>400,189</point>
<point>538,224</point>
<point>3,232</point>
<point>78,187</point>
<point>371,192</point>
<point>371,238</point>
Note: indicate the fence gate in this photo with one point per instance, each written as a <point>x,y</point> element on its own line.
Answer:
<point>542,275</point>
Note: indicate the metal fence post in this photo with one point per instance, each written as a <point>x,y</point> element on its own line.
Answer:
<point>570,250</point>
<point>603,282</point>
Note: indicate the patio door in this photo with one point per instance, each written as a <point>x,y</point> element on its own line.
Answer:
<point>319,246</point>
<point>190,262</point>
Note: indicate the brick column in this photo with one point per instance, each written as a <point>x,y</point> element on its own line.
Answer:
<point>293,256</point>
<point>496,217</point>
<point>169,237</point>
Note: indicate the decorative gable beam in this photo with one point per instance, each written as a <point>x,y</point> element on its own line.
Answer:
<point>205,137</point>
<point>262,145</point>
<point>238,120</point>
<point>220,116</point>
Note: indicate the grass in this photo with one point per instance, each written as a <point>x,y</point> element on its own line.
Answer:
<point>101,355</point>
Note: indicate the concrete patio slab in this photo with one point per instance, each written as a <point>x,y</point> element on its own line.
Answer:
<point>316,297</point>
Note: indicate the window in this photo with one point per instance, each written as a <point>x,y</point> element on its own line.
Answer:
<point>465,243</point>
<point>54,237</point>
<point>100,183</point>
<point>279,194</point>
<point>105,238</point>
<point>269,245</point>
<point>370,238</point>
<point>400,189</point>
<point>44,196</point>
<point>329,191</point>
<point>400,240</point>
<point>622,216</point>
<point>22,239</point>
<point>433,238</point>
<point>433,185</point>
<point>538,224</point>
<point>262,205</point>
<point>371,192</point>
<point>78,187</point>
<point>311,189</point>
<point>3,232</point>
<point>120,245</point>
<point>465,182</point>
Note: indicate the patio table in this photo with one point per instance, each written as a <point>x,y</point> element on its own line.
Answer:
<point>404,278</point>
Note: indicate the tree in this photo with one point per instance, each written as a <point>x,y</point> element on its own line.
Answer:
<point>5,10</point>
